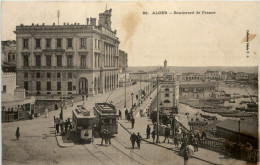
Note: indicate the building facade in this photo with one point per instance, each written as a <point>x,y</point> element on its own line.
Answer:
<point>169,94</point>
<point>8,51</point>
<point>213,75</point>
<point>74,59</point>
<point>123,60</point>
<point>197,91</point>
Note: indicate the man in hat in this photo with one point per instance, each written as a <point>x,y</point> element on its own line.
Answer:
<point>102,135</point>
<point>133,140</point>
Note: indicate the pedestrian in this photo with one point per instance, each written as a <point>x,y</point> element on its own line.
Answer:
<point>66,104</point>
<point>102,135</point>
<point>126,114</point>
<point>109,137</point>
<point>129,117</point>
<point>196,144</point>
<point>72,103</point>
<point>186,155</point>
<point>133,140</point>
<point>119,114</point>
<point>176,141</point>
<point>46,112</point>
<point>133,123</point>
<point>62,128</point>
<point>57,128</point>
<point>56,107</point>
<point>106,137</point>
<point>86,97</point>
<point>17,133</point>
<point>138,140</point>
<point>166,134</point>
<point>153,135</point>
<point>82,97</point>
<point>148,131</point>
<point>66,124</point>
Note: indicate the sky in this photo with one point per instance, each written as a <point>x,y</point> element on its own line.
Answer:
<point>183,40</point>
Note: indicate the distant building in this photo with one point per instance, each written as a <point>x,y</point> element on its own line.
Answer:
<point>140,76</point>
<point>123,61</point>
<point>212,75</point>
<point>242,76</point>
<point>197,91</point>
<point>8,51</point>
<point>244,132</point>
<point>192,77</point>
<point>76,59</point>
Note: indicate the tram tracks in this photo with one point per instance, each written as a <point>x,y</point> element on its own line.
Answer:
<point>136,153</point>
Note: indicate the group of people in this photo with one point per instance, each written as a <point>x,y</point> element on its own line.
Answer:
<point>136,139</point>
<point>63,127</point>
<point>106,136</point>
<point>130,117</point>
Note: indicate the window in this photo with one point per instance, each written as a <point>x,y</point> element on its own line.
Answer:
<point>69,43</point>
<point>83,42</point>
<point>25,60</point>
<point>95,43</point>
<point>38,60</point>
<point>59,60</point>
<point>9,57</point>
<point>48,43</point>
<point>38,43</point>
<point>48,86</point>
<point>48,60</point>
<point>4,89</point>
<point>83,60</point>
<point>166,101</point>
<point>58,86</point>
<point>25,43</point>
<point>166,95</point>
<point>38,85</point>
<point>69,86</point>
<point>48,75</point>
<point>38,75</point>
<point>59,43</point>
<point>69,60</point>
<point>69,75</point>
<point>98,44</point>
<point>25,75</point>
<point>167,90</point>
<point>58,75</point>
<point>25,84</point>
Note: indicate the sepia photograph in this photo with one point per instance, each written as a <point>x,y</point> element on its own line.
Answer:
<point>133,83</point>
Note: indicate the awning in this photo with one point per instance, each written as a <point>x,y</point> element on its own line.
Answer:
<point>10,100</point>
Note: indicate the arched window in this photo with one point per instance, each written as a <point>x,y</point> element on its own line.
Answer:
<point>167,90</point>
<point>166,101</point>
<point>167,95</point>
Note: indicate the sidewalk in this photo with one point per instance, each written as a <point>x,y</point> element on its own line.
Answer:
<point>203,154</point>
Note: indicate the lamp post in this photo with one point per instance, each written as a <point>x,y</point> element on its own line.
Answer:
<point>161,104</point>
<point>132,99</point>
<point>125,88</point>
<point>61,108</point>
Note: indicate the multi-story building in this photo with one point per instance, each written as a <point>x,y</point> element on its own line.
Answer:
<point>212,75</point>
<point>75,59</point>
<point>242,76</point>
<point>123,61</point>
<point>198,91</point>
<point>8,51</point>
<point>169,93</point>
<point>192,77</point>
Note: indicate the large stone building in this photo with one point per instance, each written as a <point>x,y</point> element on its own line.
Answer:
<point>75,59</point>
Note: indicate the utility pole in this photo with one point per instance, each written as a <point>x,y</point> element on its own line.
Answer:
<point>140,98</point>
<point>157,140</point>
<point>61,108</point>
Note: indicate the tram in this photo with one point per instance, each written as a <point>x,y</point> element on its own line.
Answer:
<point>106,116</point>
<point>82,122</point>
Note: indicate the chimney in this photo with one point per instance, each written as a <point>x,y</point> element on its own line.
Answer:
<point>87,21</point>
<point>93,21</point>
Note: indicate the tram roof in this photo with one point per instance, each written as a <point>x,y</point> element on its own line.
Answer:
<point>81,114</point>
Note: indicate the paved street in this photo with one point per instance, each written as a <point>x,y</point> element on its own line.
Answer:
<point>38,144</point>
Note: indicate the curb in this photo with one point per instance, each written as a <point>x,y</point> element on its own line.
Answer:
<point>62,146</point>
<point>168,148</point>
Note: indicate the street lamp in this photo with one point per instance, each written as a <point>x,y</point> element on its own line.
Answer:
<point>132,99</point>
